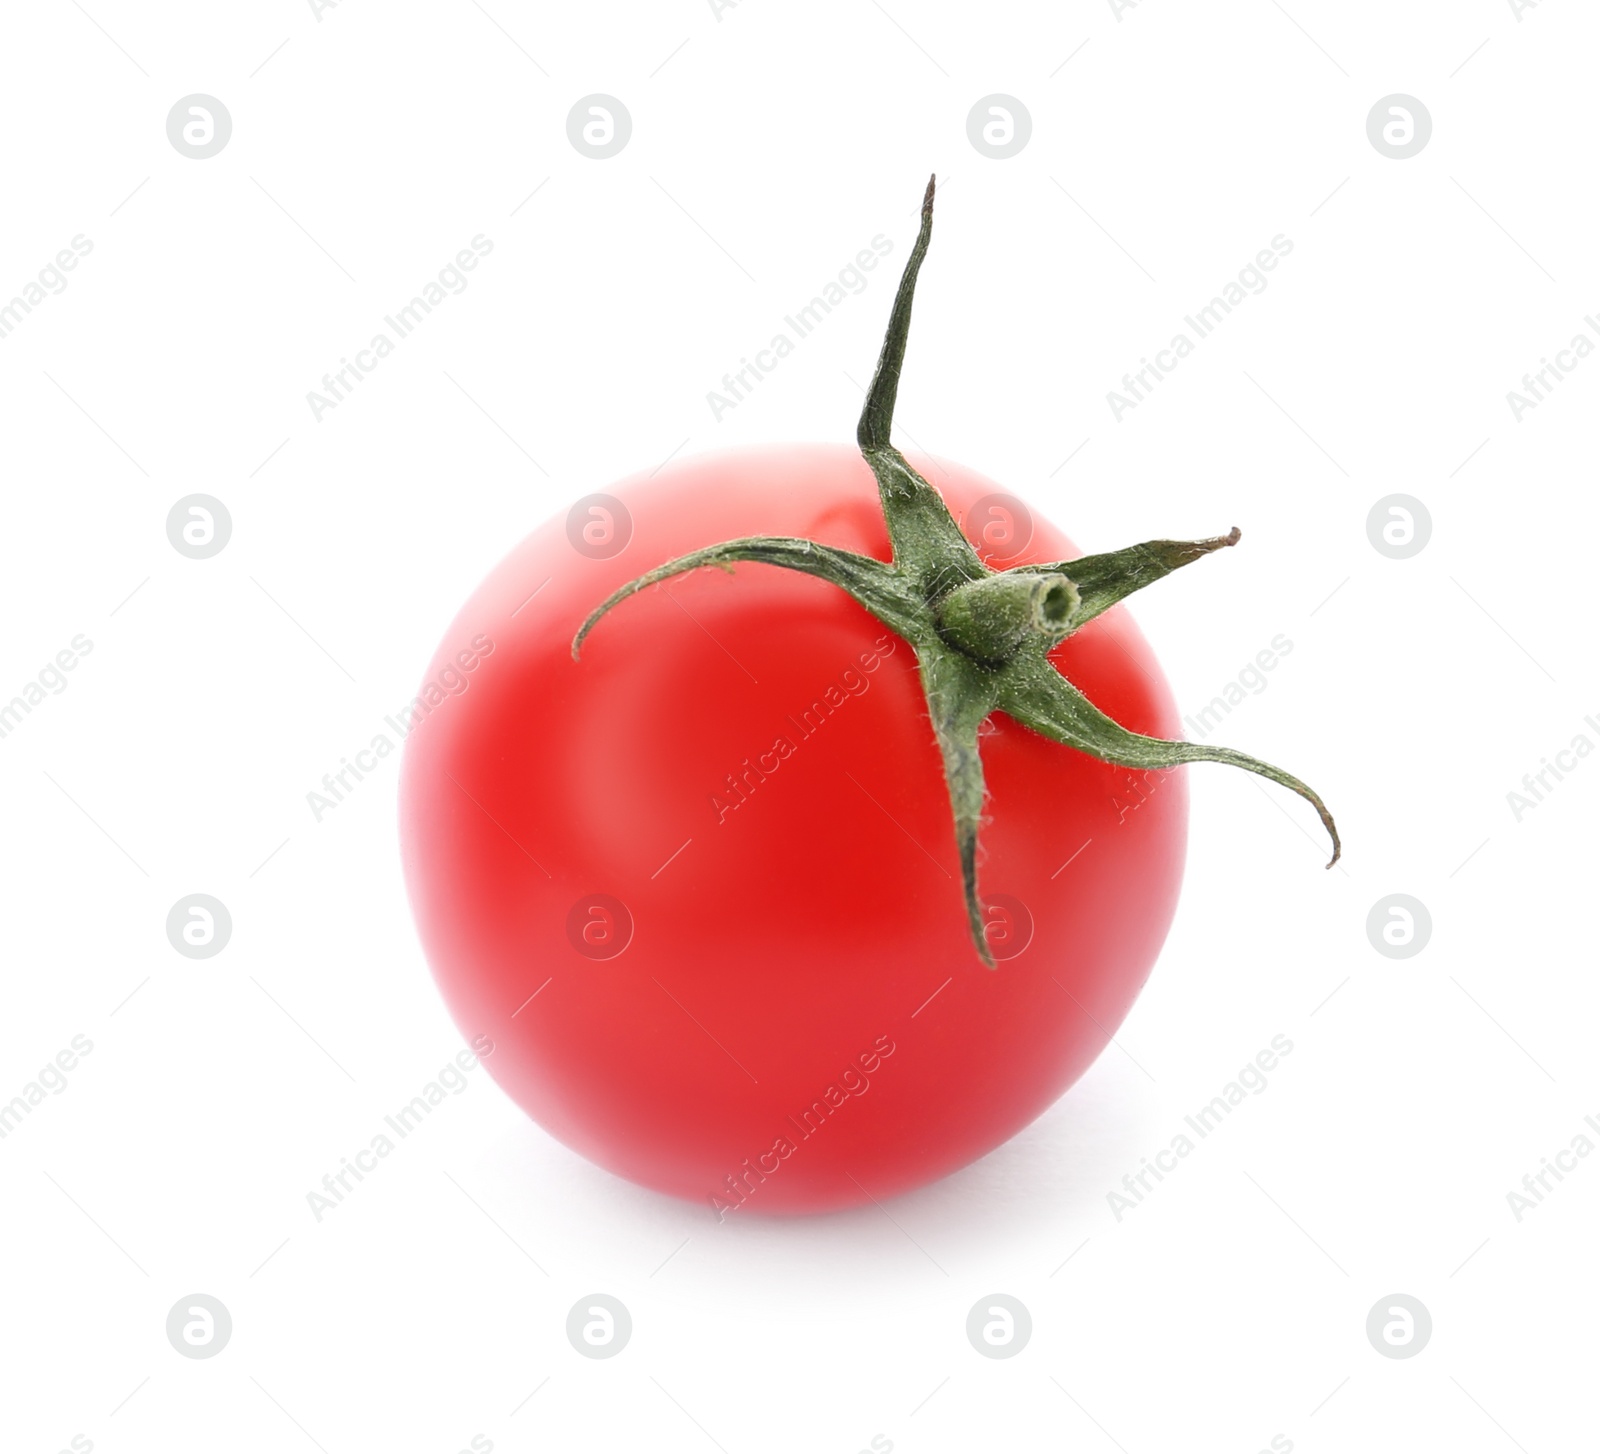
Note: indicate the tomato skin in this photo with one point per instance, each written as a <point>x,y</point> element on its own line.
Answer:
<point>806,950</point>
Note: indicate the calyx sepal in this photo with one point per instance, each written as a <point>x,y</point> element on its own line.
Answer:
<point>981,637</point>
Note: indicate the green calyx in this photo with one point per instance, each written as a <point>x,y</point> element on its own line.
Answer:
<point>981,637</point>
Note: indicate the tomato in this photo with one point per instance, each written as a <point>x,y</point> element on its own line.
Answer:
<point>700,888</point>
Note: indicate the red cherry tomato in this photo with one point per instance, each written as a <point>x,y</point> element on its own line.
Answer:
<point>700,888</point>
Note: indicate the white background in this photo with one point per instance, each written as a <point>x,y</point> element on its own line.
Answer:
<point>770,143</point>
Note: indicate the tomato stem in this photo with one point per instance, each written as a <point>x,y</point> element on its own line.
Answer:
<point>981,637</point>
<point>991,617</point>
